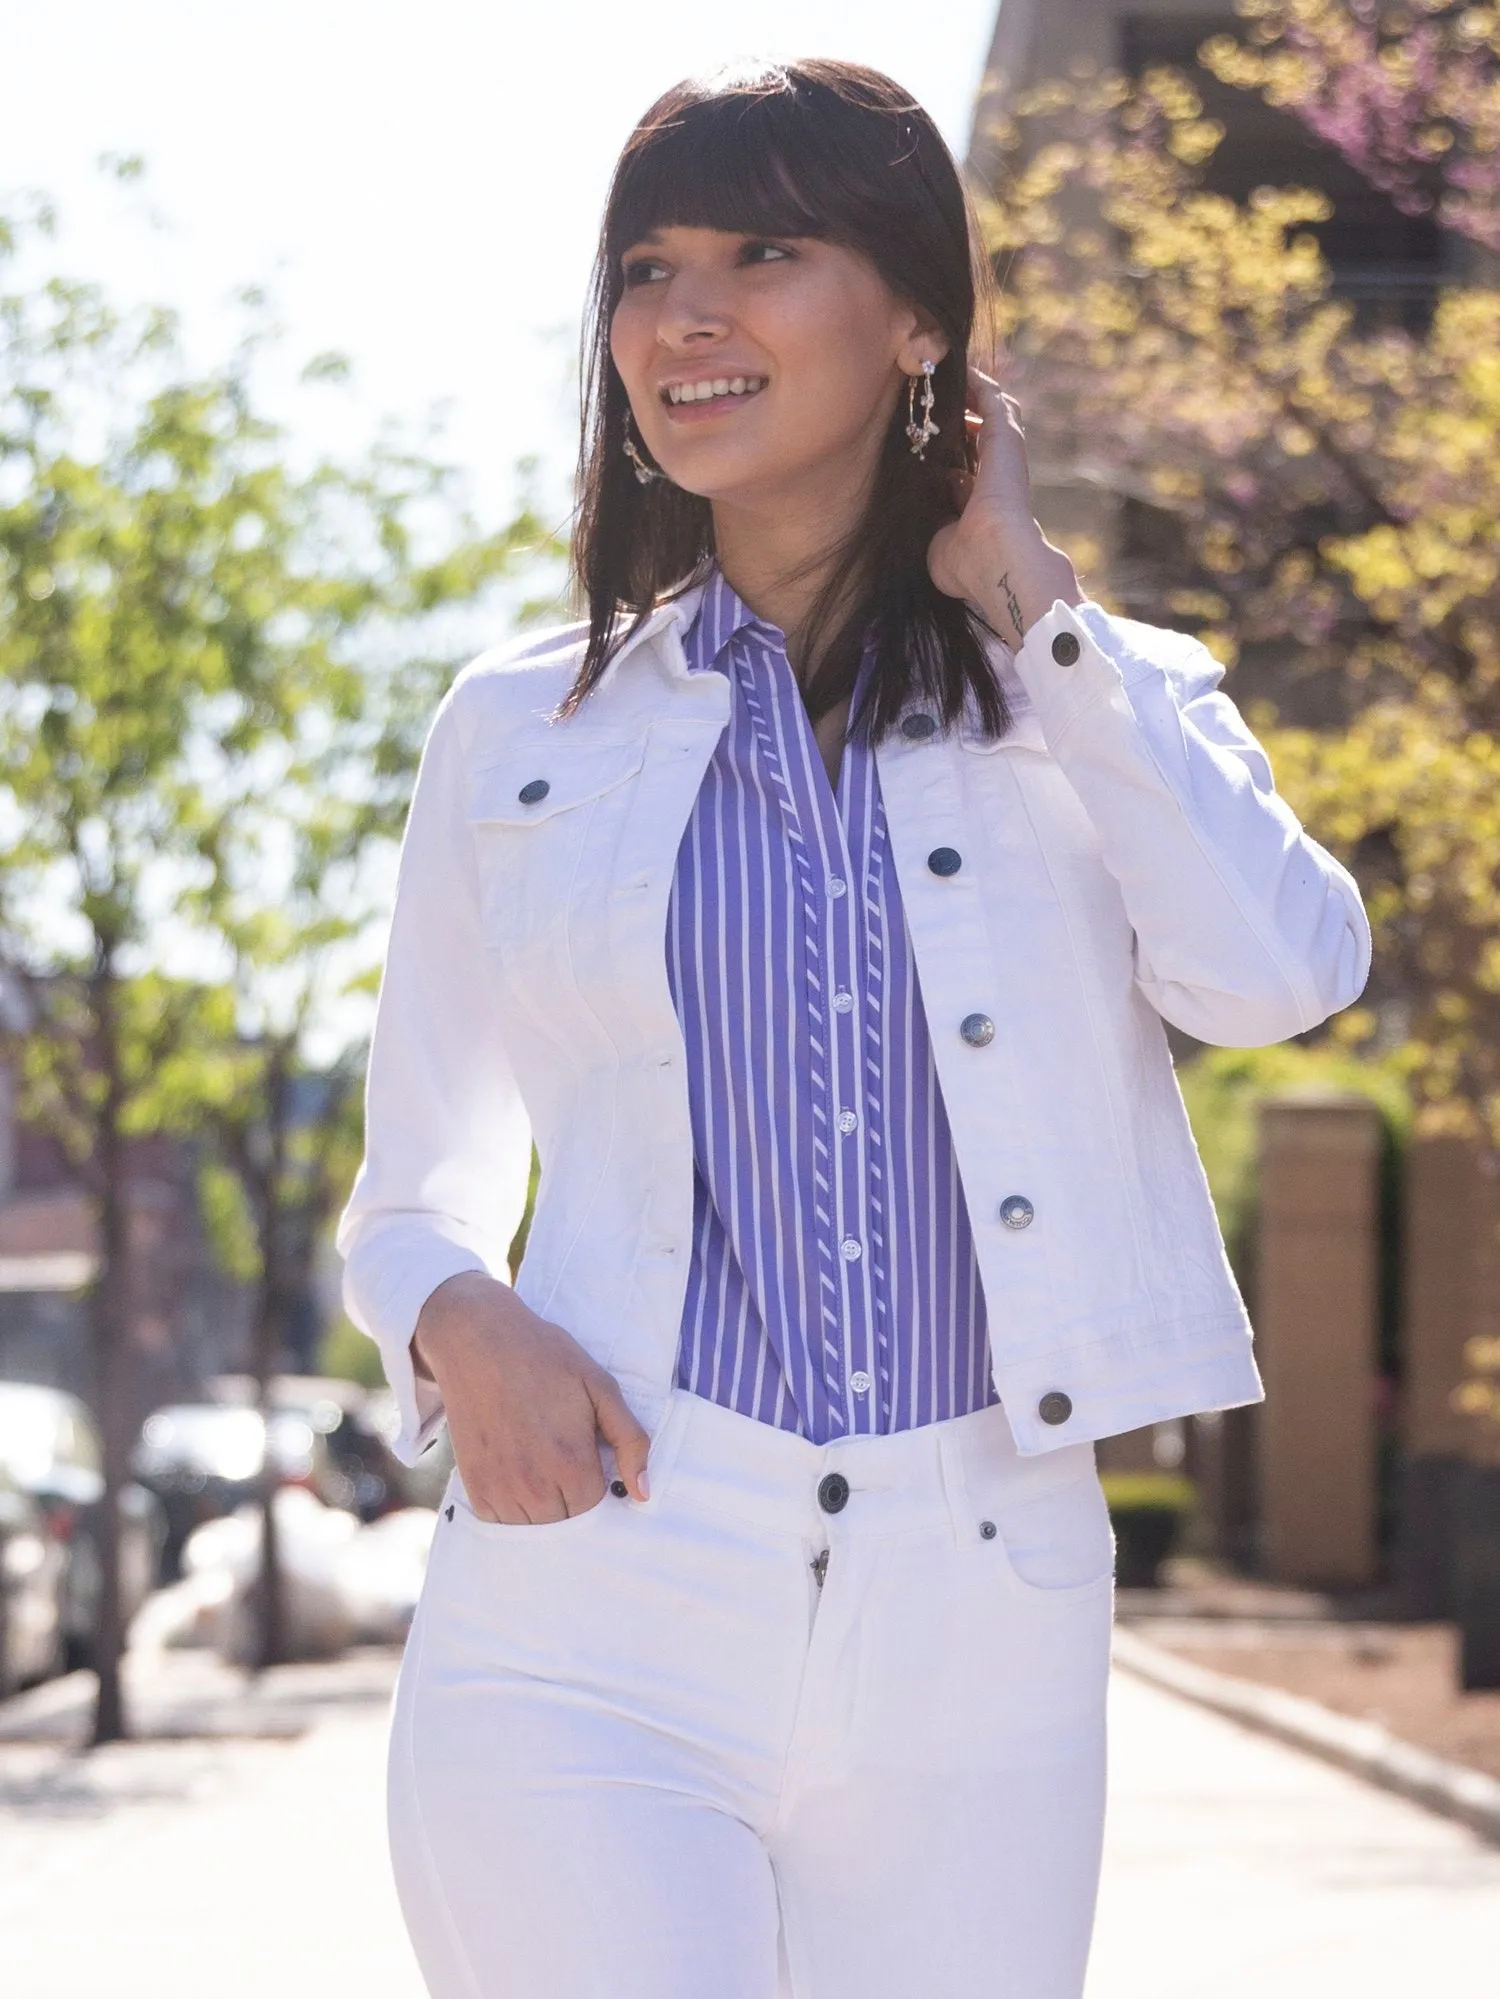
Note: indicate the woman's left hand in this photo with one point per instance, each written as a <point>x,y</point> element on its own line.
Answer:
<point>994,555</point>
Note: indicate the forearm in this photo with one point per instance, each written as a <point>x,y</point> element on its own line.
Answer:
<point>449,1313</point>
<point>1015,578</point>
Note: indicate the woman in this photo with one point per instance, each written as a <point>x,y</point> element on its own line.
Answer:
<point>816,906</point>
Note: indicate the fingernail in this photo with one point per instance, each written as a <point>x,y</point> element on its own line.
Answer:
<point>642,1486</point>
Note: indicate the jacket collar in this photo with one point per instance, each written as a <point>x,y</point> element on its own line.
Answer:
<point>660,637</point>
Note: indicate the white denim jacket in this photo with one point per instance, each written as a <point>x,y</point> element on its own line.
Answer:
<point>1126,858</point>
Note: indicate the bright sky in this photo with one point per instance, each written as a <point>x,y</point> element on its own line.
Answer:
<point>419,180</point>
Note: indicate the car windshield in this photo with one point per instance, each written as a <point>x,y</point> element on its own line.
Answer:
<point>224,1443</point>
<point>37,1432</point>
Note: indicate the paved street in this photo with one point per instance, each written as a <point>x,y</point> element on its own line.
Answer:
<point>255,1865</point>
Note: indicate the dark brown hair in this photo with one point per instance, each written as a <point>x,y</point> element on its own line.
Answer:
<point>839,152</point>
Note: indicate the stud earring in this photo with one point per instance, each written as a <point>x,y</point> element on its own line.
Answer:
<point>920,434</point>
<point>645,472</point>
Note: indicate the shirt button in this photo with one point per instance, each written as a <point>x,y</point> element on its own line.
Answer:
<point>848,1121</point>
<point>533,792</point>
<point>977,1029</point>
<point>1055,1407</point>
<point>945,860</point>
<point>917,728</point>
<point>1017,1212</point>
<point>1065,649</point>
<point>842,1002</point>
<point>850,1250</point>
<point>837,886</point>
<point>860,1382</point>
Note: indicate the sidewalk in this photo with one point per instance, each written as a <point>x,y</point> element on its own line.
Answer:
<point>239,1865</point>
<point>1237,1867</point>
<point>254,1863</point>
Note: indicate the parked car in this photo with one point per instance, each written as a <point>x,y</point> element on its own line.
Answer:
<point>202,1460</point>
<point>353,1465</point>
<point>50,1452</point>
<point>31,1591</point>
<point>357,1469</point>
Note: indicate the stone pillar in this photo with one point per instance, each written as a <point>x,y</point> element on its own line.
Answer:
<point>1317,1301</point>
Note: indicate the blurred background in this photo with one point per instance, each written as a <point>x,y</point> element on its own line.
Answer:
<point>289,306</point>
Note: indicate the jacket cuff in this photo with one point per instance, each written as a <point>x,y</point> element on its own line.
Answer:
<point>419,1272</point>
<point>1071,659</point>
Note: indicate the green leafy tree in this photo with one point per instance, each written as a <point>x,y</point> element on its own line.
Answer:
<point>1319,492</point>
<point>196,630</point>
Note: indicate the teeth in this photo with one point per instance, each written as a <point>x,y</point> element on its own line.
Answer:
<point>722,385</point>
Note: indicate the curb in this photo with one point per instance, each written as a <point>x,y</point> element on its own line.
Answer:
<point>1362,1747</point>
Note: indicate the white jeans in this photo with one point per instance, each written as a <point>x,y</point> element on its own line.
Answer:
<point>644,1754</point>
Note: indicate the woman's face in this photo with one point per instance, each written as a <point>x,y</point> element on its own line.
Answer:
<point>751,361</point>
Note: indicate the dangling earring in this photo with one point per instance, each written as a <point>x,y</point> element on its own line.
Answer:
<point>921,434</point>
<point>644,471</point>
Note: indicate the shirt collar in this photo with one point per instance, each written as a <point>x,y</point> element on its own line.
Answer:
<point>721,614</point>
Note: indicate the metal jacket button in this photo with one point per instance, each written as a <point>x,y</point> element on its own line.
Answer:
<point>1065,649</point>
<point>833,1492</point>
<point>535,791</point>
<point>1017,1212</point>
<point>945,860</point>
<point>1055,1407</point>
<point>977,1029</point>
<point>917,728</point>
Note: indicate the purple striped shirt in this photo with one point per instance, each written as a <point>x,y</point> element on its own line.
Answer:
<point>832,1286</point>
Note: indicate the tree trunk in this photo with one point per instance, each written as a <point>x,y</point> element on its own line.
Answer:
<point>270,1605</point>
<point>111,1339</point>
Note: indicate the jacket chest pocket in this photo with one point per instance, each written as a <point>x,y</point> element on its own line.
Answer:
<point>547,823</point>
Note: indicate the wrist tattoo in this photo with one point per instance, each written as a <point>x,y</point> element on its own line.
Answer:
<point>1012,604</point>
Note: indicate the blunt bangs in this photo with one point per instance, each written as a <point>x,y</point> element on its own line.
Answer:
<point>724,163</point>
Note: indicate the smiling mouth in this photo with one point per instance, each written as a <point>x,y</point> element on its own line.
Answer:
<point>722,390</point>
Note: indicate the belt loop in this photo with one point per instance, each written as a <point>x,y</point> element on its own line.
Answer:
<point>955,1483</point>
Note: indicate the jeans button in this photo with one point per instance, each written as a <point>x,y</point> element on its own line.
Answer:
<point>833,1492</point>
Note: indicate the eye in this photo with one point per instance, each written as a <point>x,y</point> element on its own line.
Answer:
<point>642,271</point>
<point>757,251</point>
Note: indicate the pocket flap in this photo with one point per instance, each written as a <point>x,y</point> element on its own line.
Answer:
<point>536,781</point>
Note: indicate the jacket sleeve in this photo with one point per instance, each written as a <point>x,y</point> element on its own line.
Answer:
<point>1247,931</point>
<point>447,1142</point>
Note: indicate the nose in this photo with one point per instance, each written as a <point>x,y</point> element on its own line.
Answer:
<point>692,313</point>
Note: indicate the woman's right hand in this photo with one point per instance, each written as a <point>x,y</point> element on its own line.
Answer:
<point>526,1405</point>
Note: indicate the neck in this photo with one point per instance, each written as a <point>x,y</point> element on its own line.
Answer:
<point>779,550</point>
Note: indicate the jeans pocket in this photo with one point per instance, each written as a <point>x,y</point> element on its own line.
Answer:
<point>1057,1541</point>
<point>457,1510</point>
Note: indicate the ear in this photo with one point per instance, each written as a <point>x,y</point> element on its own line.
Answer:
<point>922,340</point>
